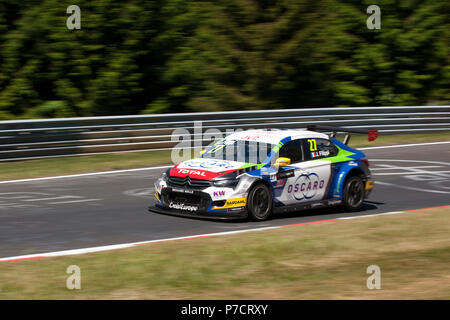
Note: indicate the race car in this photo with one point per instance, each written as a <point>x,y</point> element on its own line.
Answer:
<point>256,173</point>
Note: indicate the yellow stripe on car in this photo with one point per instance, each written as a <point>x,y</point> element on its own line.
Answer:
<point>233,203</point>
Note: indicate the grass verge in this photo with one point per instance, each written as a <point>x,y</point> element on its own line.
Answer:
<point>82,164</point>
<point>319,261</point>
<point>117,161</point>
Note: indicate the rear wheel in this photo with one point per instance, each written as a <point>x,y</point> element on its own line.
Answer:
<point>259,202</point>
<point>353,198</point>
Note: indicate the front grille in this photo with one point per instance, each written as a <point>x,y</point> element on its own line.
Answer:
<point>184,198</point>
<point>188,182</point>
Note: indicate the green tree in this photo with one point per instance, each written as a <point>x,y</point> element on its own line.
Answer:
<point>157,56</point>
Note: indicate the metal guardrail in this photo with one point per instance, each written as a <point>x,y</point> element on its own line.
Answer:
<point>31,139</point>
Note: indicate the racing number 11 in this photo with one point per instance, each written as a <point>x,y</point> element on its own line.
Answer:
<point>312,144</point>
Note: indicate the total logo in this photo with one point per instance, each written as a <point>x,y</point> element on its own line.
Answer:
<point>192,172</point>
<point>306,186</point>
<point>209,164</point>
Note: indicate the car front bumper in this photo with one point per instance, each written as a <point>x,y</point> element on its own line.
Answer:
<point>207,203</point>
<point>198,214</point>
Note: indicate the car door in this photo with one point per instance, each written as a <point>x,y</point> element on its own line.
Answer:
<point>311,171</point>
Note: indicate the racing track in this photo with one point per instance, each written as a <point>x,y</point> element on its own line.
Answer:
<point>85,211</point>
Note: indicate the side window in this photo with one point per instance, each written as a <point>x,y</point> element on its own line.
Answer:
<point>293,150</point>
<point>320,148</point>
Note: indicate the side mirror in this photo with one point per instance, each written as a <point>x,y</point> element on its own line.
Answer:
<point>282,162</point>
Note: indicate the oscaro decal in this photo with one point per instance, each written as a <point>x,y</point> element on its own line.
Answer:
<point>306,186</point>
<point>208,164</point>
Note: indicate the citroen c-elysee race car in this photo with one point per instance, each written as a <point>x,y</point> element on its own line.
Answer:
<point>255,173</point>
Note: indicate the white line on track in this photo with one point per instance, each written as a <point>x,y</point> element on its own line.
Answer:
<point>410,188</point>
<point>168,166</point>
<point>371,215</point>
<point>420,161</point>
<point>126,245</point>
<point>405,145</point>
<point>16,205</point>
<point>409,173</point>
<point>387,167</point>
<point>85,174</point>
<point>52,198</point>
<point>74,201</point>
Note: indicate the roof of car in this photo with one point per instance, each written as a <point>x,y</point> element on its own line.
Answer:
<point>274,136</point>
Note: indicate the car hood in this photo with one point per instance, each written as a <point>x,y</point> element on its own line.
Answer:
<point>207,169</point>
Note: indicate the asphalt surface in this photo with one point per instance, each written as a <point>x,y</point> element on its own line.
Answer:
<point>80,212</point>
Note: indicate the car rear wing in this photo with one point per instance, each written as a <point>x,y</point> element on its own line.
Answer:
<point>371,134</point>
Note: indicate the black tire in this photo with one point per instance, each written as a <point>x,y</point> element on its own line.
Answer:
<point>354,192</point>
<point>259,202</point>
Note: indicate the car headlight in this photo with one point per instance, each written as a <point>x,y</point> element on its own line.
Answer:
<point>165,176</point>
<point>226,183</point>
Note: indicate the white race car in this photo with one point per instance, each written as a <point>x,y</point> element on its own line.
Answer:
<point>255,173</point>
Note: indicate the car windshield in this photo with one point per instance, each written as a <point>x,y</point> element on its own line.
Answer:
<point>239,150</point>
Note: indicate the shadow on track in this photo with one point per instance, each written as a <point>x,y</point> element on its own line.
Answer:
<point>368,206</point>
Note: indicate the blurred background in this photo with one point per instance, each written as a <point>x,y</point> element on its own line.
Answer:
<point>134,57</point>
<point>143,57</point>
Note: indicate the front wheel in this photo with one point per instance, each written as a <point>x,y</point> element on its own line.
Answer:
<point>259,202</point>
<point>354,191</point>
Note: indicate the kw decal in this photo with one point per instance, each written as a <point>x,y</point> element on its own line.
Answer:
<point>218,193</point>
